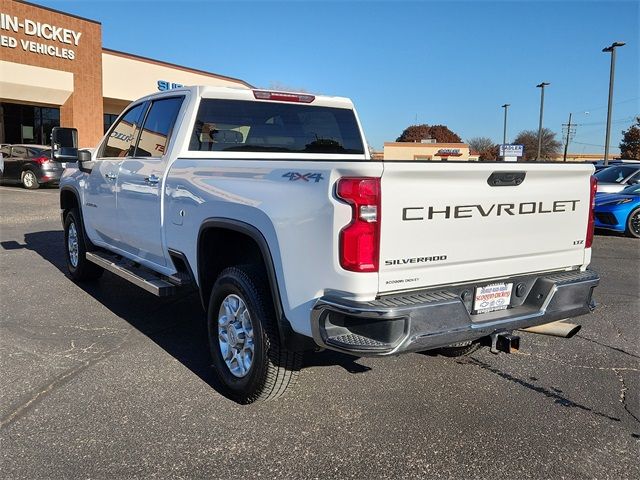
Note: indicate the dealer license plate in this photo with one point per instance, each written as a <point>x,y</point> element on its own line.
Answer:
<point>496,296</point>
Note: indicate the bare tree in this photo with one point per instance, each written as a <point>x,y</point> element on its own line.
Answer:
<point>549,149</point>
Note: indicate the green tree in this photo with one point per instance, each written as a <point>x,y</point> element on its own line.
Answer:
<point>487,150</point>
<point>550,147</point>
<point>416,133</point>
<point>630,144</point>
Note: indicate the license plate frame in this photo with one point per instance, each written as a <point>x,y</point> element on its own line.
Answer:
<point>492,298</point>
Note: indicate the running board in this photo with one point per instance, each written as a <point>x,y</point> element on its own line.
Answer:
<point>140,276</point>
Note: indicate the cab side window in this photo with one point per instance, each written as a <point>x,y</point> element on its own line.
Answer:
<point>122,139</point>
<point>157,127</point>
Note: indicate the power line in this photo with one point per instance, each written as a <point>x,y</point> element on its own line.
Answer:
<point>620,120</point>
<point>590,144</point>
<point>605,106</point>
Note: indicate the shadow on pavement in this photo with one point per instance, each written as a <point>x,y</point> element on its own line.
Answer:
<point>177,324</point>
<point>553,393</point>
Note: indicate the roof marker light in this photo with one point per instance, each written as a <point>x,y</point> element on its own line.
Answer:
<point>283,96</point>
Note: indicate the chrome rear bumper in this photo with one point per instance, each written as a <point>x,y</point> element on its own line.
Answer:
<point>424,320</point>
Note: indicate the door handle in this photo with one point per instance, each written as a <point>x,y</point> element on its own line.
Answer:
<point>110,176</point>
<point>152,179</point>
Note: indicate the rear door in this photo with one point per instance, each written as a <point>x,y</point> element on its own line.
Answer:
<point>140,182</point>
<point>13,164</point>
<point>445,223</point>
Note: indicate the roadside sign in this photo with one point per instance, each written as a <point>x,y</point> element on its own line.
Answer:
<point>507,150</point>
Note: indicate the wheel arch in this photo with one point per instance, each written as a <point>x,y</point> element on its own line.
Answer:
<point>69,198</point>
<point>243,243</point>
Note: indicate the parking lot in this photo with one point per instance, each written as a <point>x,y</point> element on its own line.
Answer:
<point>107,381</point>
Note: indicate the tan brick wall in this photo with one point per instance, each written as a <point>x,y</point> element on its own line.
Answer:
<point>83,109</point>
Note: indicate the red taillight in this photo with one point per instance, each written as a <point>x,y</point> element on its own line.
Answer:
<point>360,240</point>
<point>592,219</point>
<point>283,97</point>
<point>41,160</point>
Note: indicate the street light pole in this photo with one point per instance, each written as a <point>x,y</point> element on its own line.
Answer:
<point>541,87</point>
<point>504,134</point>
<point>610,49</point>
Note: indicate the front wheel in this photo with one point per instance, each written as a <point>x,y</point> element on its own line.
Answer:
<point>633,224</point>
<point>29,180</point>
<point>245,347</point>
<point>75,243</point>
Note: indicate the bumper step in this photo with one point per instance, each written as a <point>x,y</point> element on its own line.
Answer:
<point>354,340</point>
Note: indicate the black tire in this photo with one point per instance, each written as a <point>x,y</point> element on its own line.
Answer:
<point>273,368</point>
<point>83,269</point>
<point>29,180</point>
<point>459,350</point>
<point>633,222</point>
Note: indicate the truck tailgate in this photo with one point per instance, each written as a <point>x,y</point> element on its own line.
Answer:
<point>444,223</point>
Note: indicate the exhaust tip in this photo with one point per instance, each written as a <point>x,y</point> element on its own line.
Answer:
<point>573,331</point>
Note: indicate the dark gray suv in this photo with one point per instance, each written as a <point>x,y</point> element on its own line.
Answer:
<point>30,165</point>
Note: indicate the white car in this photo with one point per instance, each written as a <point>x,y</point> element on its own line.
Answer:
<point>617,177</point>
<point>269,204</point>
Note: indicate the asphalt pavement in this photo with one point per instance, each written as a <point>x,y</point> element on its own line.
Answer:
<point>106,381</point>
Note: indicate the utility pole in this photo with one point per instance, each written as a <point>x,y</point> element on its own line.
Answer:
<point>541,87</point>
<point>566,145</point>
<point>504,134</point>
<point>610,49</point>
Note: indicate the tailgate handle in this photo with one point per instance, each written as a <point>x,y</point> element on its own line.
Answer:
<point>506,179</point>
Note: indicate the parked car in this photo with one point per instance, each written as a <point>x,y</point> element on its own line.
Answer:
<point>615,178</point>
<point>619,212</point>
<point>30,165</point>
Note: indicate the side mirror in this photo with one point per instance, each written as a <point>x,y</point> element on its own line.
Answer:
<point>84,156</point>
<point>64,144</point>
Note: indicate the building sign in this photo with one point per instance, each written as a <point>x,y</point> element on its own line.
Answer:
<point>39,30</point>
<point>163,85</point>
<point>449,152</point>
<point>511,150</point>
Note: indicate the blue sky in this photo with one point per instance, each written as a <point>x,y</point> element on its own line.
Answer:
<point>442,62</point>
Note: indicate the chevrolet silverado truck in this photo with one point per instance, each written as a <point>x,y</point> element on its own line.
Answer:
<point>269,205</point>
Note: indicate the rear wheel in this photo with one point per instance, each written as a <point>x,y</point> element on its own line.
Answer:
<point>29,180</point>
<point>633,224</point>
<point>75,242</point>
<point>245,347</point>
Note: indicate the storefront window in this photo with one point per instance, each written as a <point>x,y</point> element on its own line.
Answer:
<point>27,123</point>
<point>109,119</point>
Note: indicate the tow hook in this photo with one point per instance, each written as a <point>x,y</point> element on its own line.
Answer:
<point>504,342</point>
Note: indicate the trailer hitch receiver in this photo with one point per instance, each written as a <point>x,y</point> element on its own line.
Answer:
<point>504,342</point>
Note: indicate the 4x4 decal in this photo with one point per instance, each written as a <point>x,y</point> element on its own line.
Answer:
<point>293,176</point>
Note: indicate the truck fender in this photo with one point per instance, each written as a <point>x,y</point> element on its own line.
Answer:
<point>288,337</point>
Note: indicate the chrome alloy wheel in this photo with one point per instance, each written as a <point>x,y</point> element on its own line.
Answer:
<point>29,179</point>
<point>72,244</point>
<point>235,335</point>
<point>634,224</point>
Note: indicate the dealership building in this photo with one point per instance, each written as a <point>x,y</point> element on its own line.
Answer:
<point>428,150</point>
<point>54,71</point>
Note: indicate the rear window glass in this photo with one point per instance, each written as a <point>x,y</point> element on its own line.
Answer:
<point>244,126</point>
<point>614,174</point>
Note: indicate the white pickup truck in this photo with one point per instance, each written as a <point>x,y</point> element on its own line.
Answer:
<point>269,204</point>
